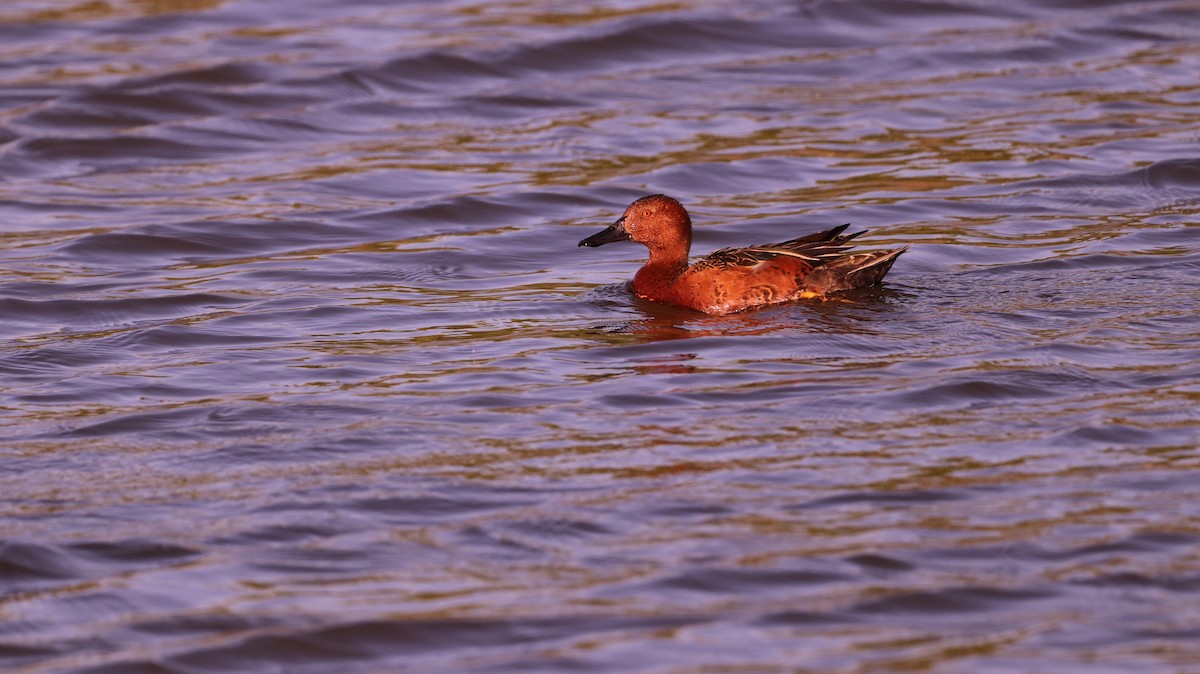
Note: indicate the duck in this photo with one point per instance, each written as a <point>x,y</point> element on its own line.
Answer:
<point>738,279</point>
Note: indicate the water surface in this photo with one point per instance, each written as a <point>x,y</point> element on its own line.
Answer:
<point>301,369</point>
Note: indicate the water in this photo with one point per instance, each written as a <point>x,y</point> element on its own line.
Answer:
<point>301,369</point>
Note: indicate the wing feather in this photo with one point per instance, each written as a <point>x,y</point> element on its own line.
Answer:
<point>817,249</point>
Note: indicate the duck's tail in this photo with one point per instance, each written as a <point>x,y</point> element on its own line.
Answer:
<point>856,270</point>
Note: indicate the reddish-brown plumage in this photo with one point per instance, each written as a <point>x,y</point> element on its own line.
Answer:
<point>734,279</point>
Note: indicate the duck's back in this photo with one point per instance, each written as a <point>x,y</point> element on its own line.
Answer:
<point>734,279</point>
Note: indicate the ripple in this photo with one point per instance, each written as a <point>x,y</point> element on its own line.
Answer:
<point>391,640</point>
<point>954,600</point>
<point>85,313</point>
<point>740,581</point>
<point>28,564</point>
<point>905,497</point>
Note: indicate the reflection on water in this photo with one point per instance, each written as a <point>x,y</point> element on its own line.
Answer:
<point>300,367</point>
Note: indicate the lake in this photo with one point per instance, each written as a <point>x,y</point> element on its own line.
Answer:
<point>301,369</point>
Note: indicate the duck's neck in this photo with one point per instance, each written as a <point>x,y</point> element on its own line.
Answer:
<point>658,275</point>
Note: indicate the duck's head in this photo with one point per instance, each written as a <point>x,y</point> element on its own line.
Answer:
<point>658,222</point>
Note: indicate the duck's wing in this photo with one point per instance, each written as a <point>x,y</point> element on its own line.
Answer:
<point>831,236</point>
<point>815,249</point>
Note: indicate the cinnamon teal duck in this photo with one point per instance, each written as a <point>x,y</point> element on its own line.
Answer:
<point>736,279</point>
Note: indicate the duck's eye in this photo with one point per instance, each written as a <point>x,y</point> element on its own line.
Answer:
<point>646,213</point>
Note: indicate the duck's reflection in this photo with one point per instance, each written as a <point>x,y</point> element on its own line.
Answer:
<point>858,311</point>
